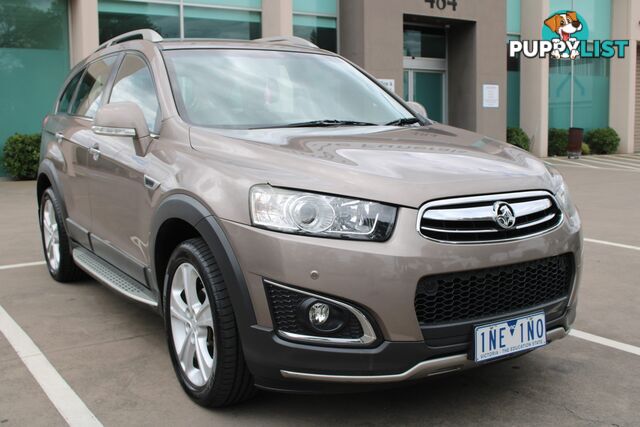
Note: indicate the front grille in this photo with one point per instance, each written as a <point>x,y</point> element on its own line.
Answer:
<point>474,219</point>
<point>477,294</point>
<point>284,310</point>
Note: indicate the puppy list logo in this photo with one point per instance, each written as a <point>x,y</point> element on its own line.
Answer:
<point>565,35</point>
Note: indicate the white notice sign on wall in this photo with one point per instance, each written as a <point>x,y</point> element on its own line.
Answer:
<point>388,83</point>
<point>491,96</point>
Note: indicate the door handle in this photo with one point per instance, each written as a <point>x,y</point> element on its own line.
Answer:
<point>95,152</point>
<point>59,137</point>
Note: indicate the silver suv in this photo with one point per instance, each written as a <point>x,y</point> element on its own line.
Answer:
<point>299,227</point>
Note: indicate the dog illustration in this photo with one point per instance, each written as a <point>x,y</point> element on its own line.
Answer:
<point>564,25</point>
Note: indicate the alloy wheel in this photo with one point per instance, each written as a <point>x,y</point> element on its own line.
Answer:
<point>51,235</point>
<point>192,326</point>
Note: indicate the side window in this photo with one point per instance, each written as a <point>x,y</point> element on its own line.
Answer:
<point>91,88</point>
<point>65,99</point>
<point>134,83</point>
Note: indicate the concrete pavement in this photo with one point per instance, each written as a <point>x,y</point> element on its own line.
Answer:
<point>113,353</point>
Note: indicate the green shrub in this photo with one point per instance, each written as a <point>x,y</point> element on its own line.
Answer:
<point>602,141</point>
<point>558,141</point>
<point>517,137</point>
<point>585,149</point>
<point>21,155</point>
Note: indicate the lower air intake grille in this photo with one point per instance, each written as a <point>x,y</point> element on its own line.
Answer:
<point>468,295</point>
<point>284,309</point>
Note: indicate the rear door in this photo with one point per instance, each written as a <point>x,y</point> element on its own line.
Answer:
<point>77,141</point>
<point>121,191</point>
<point>71,161</point>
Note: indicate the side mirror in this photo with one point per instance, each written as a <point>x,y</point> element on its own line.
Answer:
<point>417,108</point>
<point>123,119</point>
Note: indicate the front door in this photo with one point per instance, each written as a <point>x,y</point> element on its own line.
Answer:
<point>121,192</point>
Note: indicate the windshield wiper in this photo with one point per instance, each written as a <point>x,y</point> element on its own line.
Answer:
<point>405,121</point>
<point>323,123</point>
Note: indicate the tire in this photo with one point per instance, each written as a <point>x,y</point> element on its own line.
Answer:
<point>56,244</point>
<point>202,334</point>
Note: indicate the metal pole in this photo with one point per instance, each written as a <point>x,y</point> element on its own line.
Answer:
<point>572,77</point>
<point>571,97</point>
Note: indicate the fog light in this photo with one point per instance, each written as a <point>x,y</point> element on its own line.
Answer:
<point>319,314</point>
<point>321,317</point>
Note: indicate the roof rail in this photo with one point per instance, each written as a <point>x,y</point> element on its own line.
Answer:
<point>291,40</point>
<point>144,34</point>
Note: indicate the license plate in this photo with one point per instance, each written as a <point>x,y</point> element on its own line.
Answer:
<point>510,336</point>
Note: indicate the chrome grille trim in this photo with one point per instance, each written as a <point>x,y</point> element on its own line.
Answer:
<point>448,230</point>
<point>485,213</point>
<point>532,223</point>
<point>470,220</point>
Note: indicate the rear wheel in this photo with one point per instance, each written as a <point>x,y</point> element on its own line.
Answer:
<point>201,329</point>
<point>55,241</point>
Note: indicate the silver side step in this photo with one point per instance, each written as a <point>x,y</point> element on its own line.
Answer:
<point>108,275</point>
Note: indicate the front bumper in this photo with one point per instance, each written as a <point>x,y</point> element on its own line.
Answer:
<point>427,368</point>
<point>380,278</point>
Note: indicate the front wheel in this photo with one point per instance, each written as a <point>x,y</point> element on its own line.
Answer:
<point>201,329</point>
<point>55,241</point>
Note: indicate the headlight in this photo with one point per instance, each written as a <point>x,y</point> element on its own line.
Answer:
<point>561,191</point>
<point>320,215</point>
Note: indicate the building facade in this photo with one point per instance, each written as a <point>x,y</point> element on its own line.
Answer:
<point>448,55</point>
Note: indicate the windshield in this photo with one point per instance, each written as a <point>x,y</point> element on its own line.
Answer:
<point>247,89</point>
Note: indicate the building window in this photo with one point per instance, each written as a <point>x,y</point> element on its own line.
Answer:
<point>221,23</point>
<point>513,87</point>
<point>119,17</point>
<point>590,93</point>
<point>224,19</point>
<point>513,16</point>
<point>34,61</point>
<point>579,90</point>
<point>317,21</point>
<point>513,65</point>
<point>424,42</point>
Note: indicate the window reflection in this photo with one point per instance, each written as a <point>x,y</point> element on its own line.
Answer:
<point>134,83</point>
<point>91,88</point>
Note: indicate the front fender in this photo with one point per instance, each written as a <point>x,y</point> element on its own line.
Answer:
<point>190,210</point>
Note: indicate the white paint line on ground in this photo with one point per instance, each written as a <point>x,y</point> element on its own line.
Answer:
<point>617,245</point>
<point>610,163</point>
<point>571,162</point>
<point>629,156</point>
<point>606,342</point>
<point>578,166</point>
<point>626,160</point>
<point>617,160</point>
<point>69,405</point>
<point>24,264</point>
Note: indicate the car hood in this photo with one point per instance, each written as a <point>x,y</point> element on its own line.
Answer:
<point>400,165</point>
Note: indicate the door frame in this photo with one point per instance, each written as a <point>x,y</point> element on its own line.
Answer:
<point>428,65</point>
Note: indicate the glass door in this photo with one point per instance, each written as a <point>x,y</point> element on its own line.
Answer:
<point>428,89</point>
<point>425,68</point>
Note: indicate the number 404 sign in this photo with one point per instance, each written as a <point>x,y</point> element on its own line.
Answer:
<point>443,4</point>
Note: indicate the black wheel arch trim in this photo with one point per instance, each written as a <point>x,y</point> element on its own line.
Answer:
<point>195,213</point>
<point>47,169</point>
